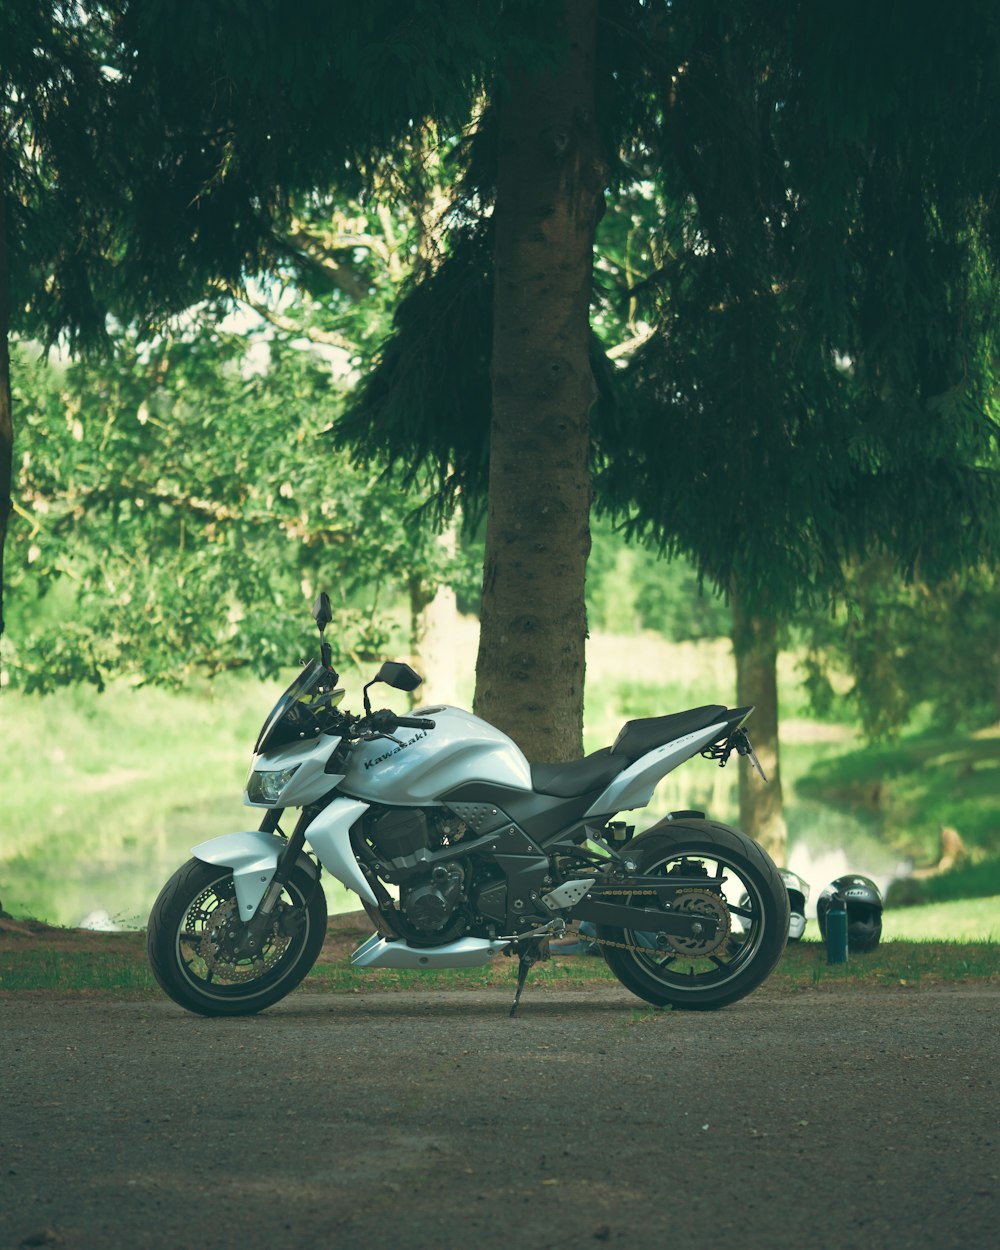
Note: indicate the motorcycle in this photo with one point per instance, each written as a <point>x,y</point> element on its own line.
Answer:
<point>460,849</point>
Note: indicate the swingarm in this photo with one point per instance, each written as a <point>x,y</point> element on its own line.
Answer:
<point>603,905</point>
<point>652,919</point>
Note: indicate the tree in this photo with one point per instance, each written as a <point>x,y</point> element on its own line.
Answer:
<point>57,185</point>
<point>799,223</point>
<point>493,370</point>
<point>788,415</point>
<point>176,504</point>
<point>909,649</point>
<point>213,146</point>
<point>821,280</point>
<point>151,152</point>
<point>348,261</point>
<point>550,176</point>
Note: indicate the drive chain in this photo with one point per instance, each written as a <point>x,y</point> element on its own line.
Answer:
<point>624,946</point>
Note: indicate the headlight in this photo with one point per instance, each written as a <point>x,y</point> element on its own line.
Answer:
<point>266,787</point>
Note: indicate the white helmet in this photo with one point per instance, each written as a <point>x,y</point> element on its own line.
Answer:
<point>798,892</point>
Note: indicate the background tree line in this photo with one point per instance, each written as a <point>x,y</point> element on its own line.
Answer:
<point>727,270</point>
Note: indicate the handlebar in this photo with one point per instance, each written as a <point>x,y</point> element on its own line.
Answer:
<point>386,721</point>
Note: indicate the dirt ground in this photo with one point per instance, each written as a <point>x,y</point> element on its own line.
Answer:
<point>840,1118</point>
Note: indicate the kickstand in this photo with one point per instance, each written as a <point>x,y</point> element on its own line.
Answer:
<point>527,958</point>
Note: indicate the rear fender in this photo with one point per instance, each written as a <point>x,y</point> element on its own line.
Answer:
<point>253,857</point>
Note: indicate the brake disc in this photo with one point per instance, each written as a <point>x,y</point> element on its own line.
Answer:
<point>216,948</point>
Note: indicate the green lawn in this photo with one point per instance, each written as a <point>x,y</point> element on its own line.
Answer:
<point>918,785</point>
<point>120,966</point>
<point>105,794</point>
<point>963,920</point>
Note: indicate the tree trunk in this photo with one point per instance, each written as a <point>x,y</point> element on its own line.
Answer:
<point>755,645</point>
<point>6,404</point>
<point>530,670</point>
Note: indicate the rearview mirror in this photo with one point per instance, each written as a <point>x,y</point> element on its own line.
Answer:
<point>399,676</point>
<point>322,611</point>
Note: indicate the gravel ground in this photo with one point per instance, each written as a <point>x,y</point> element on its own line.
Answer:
<point>842,1118</point>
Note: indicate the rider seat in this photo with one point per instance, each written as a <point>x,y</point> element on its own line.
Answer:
<point>566,781</point>
<point>636,738</point>
<point>639,736</point>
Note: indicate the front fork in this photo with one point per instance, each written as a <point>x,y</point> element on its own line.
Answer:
<point>260,922</point>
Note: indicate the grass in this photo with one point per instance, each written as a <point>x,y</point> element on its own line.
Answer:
<point>105,794</point>
<point>892,963</point>
<point>74,971</point>
<point>119,966</point>
<point>918,785</point>
<point>973,919</point>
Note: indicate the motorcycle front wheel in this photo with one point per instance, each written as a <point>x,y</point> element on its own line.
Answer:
<point>193,941</point>
<point>750,910</point>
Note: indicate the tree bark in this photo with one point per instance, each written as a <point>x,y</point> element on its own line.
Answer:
<point>530,669</point>
<point>755,645</point>
<point>6,403</point>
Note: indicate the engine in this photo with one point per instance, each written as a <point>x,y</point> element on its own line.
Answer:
<point>411,842</point>
<point>431,904</point>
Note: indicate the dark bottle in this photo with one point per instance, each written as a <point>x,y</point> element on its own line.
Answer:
<point>836,930</point>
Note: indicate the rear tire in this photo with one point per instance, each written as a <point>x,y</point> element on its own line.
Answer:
<point>704,980</point>
<point>190,942</point>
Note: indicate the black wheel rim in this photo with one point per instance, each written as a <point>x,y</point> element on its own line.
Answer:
<point>202,939</point>
<point>744,900</point>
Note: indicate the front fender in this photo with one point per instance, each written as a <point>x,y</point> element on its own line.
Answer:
<point>253,857</point>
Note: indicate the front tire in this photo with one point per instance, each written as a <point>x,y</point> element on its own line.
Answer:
<point>192,938</point>
<point>682,974</point>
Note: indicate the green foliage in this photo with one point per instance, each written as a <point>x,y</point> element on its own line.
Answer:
<point>914,651</point>
<point>426,401</point>
<point>241,109</point>
<point>917,786</point>
<point>631,587</point>
<point>980,879</point>
<point>819,275</point>
<point>178,509</point>
<point>826,310</point>
<point>59,177</point>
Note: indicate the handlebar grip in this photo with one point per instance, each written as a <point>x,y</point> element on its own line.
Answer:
<point>415,722</point>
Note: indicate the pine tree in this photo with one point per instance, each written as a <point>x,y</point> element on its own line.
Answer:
<point>820,291</point>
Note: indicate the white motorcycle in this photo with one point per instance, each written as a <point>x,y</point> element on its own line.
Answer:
<point>460,849</point>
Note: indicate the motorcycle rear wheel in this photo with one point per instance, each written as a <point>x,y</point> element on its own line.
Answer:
<point>706,978</point>
<point>189,941</point>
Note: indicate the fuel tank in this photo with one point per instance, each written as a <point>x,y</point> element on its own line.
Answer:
<point>430,762</point>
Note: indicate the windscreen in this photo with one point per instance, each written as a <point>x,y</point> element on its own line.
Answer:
<point>292,716</point>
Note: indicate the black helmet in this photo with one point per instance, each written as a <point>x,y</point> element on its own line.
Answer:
<point>798,892</point>
<point>864,910</point>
